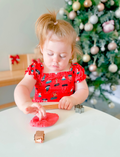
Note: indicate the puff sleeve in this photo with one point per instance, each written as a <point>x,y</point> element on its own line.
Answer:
<point>79,73</point>
<point>35,69</point>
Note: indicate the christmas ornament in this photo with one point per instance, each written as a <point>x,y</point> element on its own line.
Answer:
<point>93,101</point>
<point>113,87</point>
<point>61,11</point>
<point>95,73</point>
<point>119,81</point>
<point>116,50</point>
<point>76,6</point>
<point>102,48</point>
<point>70,2</point>
<point>72,15</point>
<point>101,7</point>
<point>103,1</point>
<point>88,26</point>
<point>94,50</point>
<point>97,92</point>
<point>112,2</point>
<point>87,3</point>
<point>112,68</point>
<point>119,72</point>
<point>77,38</point>
<point>112,46</point>
<point>92,67</point>
<point>111,105</point>
<point>81,26</point>
<point>102,45</point>
<point>86,58</point>
<point>93,19</point>
<point>108,26</point>
<point>117,13</point>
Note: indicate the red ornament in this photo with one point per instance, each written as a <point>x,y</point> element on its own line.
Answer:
<point>15,59</point>
<point>108,26</point>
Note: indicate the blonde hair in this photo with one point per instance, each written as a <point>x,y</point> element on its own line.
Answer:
<point>48,22</point>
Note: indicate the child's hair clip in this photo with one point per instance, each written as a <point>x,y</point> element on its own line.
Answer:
<point>56,23</point>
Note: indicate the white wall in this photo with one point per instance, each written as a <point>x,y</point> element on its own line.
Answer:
<point>17,33</point>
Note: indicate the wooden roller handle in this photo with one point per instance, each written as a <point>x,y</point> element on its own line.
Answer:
<point>49,107</point>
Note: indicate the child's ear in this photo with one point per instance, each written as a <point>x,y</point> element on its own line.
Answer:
<point>41,49</point>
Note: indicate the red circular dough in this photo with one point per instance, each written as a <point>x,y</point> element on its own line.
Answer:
<point>49,120</point>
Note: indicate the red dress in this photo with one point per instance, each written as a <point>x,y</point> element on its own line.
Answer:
<point>51,87</point>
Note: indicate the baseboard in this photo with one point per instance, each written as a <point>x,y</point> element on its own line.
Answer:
<point>11,104</point>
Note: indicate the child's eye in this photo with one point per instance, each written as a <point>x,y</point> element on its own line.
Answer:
<point>50,54</point>
<point>62,56</point>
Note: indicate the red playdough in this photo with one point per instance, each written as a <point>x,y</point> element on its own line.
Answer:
<point>49,120</point>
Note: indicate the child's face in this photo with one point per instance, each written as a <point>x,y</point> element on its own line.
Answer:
<point>56,54</point>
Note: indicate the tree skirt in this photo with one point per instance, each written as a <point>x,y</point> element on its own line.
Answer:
<point>49,120</point>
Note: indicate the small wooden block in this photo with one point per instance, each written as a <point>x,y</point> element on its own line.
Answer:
<point>39,136</point>
<point>22,65</point>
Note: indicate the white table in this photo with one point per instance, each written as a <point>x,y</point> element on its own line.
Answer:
<point>90,134</point>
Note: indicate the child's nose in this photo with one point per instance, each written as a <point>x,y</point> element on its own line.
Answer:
<point>56,58</point>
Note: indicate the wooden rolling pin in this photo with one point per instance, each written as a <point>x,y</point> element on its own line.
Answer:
<point>49,107</point>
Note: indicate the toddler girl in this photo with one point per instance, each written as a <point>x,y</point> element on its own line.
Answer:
<point>56,77</point>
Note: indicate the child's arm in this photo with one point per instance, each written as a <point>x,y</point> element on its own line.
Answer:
<point>80,95</point>
<point>22,97</point>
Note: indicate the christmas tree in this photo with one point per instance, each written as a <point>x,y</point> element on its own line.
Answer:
<point>97,23</point>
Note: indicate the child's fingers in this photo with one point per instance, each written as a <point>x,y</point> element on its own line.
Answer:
<point>31,109</point>
<point>37,105</point>
<point>63,104</point>
<point>69,106</point>
<point>43,112</point>
<point>39,115</point>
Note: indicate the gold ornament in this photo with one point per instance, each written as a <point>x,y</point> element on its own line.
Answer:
<point>101,7</point>
<point>81,26</point>
<point>86,58</point>
<point>113,68</point>
<point>113,87</point>
<point>76,6</point>
<point>87,3</point>
<point>111,105</point>
<point>117,13</point>
<point>88,26</point>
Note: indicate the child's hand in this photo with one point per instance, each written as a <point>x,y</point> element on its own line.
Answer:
<point>36,109</point>
<point>66,102</point>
